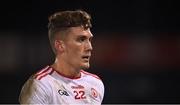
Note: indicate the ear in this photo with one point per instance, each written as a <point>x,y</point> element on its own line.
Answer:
<point>59,45</point>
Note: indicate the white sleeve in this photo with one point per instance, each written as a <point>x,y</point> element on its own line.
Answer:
<point>102,91</point>
<point>34,92</point>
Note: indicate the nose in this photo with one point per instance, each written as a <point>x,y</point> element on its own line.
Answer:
<point>89,46</point>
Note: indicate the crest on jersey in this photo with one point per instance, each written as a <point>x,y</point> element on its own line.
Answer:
<point>94,93</point>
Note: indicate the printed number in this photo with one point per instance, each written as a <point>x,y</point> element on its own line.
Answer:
<point>79,95</point>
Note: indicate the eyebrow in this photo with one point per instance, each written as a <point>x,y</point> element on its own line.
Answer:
<point>85,36</point>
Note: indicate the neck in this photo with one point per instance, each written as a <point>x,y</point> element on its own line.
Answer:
<point>65,69</point>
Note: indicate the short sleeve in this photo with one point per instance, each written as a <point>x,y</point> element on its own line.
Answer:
<point>101,91</point>
<point>34,92</point>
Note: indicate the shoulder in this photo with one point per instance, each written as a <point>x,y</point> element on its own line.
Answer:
<point>35,86</point>
<point>95,82</point>
<point>39,80</point>
<point>34,91</point>
<point>92,79</point>
<point>91,75</point>
<point>43,73</point>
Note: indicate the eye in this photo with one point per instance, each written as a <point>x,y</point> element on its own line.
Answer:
<point>81,39</point>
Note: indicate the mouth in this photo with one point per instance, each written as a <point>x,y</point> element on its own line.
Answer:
<point>86,57</point>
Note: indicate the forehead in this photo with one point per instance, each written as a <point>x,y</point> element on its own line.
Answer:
<point>80,31</point>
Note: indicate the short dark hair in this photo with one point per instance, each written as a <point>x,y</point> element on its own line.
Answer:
<point>61,21</point>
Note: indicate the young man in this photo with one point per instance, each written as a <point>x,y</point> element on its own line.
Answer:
<point>65,81</point>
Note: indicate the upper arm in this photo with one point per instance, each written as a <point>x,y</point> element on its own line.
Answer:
<point>102,90</point>
<point>33,92</point>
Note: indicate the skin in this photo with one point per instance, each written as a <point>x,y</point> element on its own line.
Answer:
<point>73,52</point>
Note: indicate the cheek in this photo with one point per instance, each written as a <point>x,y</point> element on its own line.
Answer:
<point>75,50</point>
<point>72,47</point>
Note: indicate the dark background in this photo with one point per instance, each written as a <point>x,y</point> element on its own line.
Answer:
<point>136,46</point>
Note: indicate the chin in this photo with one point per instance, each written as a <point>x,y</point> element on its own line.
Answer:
<point>85,66</point>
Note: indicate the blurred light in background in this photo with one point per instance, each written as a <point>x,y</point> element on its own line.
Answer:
<point>136,47</point>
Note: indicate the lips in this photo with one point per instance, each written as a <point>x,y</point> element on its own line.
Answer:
<point>86,57</point>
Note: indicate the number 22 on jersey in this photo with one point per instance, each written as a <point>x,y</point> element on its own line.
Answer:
<point>79,94</point>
